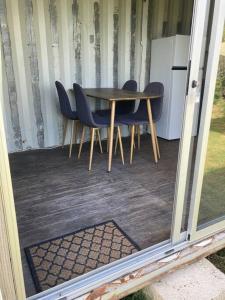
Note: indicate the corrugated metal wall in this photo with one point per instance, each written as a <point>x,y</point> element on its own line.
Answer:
<point>97,43</point>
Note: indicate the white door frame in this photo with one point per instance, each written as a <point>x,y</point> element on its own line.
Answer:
<point>207,106</point>
<point>201,8</point>
<point>11,277</point>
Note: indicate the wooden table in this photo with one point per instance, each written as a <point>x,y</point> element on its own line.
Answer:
<point>113,95</point>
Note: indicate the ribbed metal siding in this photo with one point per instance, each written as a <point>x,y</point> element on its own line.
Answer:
<point>97,43</point>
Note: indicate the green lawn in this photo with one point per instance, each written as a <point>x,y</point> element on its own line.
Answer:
<point>213,192</point>
<point>136,296</point>
<point>218,259</point>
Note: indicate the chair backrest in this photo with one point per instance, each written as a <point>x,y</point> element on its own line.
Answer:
<point>63,100</point>
<point>156,104</point>
<point>83,109</point>
<point>130,85</point>
<point>126,107</point>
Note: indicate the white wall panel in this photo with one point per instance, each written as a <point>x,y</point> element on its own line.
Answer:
<point>92,42</point>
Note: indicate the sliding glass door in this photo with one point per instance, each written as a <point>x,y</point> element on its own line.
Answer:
<point>195,84</point>
<point>207,209</point>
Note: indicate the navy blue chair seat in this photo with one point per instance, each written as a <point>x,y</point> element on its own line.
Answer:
<point>72,115</point>
<point>104,121</point>
<point>135,119</point>
<point>140,117</point>
<point>123,107</point>
<point>91,120</point>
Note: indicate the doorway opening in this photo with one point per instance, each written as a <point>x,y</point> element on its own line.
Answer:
<point>62,208</point>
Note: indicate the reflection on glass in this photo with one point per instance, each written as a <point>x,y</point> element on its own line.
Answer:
<point>212,204</point>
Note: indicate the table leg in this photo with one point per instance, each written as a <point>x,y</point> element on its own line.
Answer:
<point>151,125</point>
<point>111,134</point>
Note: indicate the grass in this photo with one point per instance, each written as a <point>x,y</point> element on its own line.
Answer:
<point>136,296</point>
<point>218,259</point>
<point>213,192</point>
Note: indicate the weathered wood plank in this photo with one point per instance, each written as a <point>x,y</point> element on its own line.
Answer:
<point>9,67</point>
<point>46,82</point>
<point>115,47</point>
<point>77,41</point>
<point>53,44</point>
<point>97,44</point>
<point>124,41</point>
<point>34,71</point>
<point>133,21</point>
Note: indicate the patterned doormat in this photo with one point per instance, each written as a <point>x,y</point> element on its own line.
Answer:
<point>60,259</point>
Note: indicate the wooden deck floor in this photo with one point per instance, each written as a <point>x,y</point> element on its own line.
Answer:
<point>55,195</point>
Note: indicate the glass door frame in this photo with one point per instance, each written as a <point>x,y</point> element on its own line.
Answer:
<point>178,240</point>
<point>200,16</point>
<point>210,228</point>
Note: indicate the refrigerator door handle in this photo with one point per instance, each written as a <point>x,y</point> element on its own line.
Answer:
<point>179,68</point>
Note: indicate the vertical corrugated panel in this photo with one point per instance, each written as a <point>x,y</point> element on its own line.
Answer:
<point>10,77</point>
<point>97,43</point>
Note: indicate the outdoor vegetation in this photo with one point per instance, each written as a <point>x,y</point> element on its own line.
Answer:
<point>213,195</point>
<point>218,259</point>
<point>140,295</point>
<point>213,191</point>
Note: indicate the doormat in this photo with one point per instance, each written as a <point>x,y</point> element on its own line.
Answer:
<point>60,259</point>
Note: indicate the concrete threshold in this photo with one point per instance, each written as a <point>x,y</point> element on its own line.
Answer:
<point>199,281</point>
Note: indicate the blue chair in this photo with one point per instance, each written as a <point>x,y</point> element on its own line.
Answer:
<point>92,120</point>
<point>123,107</point>
<point>68,115</point>
<point>140,117</point>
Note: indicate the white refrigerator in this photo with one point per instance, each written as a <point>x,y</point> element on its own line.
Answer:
<point>169,64</point>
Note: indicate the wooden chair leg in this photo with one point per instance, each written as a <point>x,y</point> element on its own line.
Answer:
<point>156,140</point>
<point>152,130</point>
<point>81,141</point>
<point>132,144</point>
<point>72,137</point>
<point>121,144</point>
<point>116,144</point>
<point>92,146</point>
<point>139,136</point>
<point>65,126</point>
<point>99,139</point>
